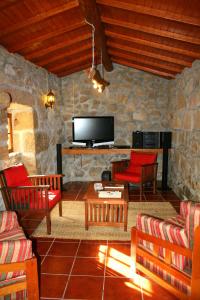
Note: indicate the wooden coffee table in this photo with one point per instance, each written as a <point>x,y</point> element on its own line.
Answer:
<point>106,211</point>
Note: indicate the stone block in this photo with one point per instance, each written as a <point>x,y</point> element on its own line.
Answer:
<point>196,124</point>
<point>188,120</point>
<point>41,141</point>
<point>28,141</point>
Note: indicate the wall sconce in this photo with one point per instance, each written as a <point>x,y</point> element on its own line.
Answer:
<point>50,99</point>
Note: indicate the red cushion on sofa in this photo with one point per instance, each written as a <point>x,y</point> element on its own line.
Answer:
<point>134,168</point>
<point>17,176</point>
<point>53,196</point>
<point>128,176</point>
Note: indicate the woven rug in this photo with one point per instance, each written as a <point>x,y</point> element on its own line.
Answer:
<point>72,224</point>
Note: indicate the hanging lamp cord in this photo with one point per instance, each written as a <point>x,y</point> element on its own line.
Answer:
<point>93,31</point>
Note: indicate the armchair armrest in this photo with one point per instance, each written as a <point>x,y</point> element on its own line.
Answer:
<point>149,172</point>
<point>119,166</point>
<point>53,180</point>
<point>23,197</point>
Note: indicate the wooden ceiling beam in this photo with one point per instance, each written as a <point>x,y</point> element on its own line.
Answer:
<point>91,14</point>
<point>148,29</point>
<point>40,17</point>
<point>48,50</point>
<point>66,64</point>
<point>149,53</point>
<point>123,62</point>
<point>65,54</point>
<point>73,70</point>
<point>152,44</point>
<point>142,9</point>
<point>144,60</point>
<point>43,37</point>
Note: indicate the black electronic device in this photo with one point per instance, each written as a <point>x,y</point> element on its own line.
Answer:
<point>151,140</point>
<point>93,131</point>
<point>137,139</point>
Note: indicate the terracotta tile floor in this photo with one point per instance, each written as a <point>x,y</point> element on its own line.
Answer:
<point>96,270</point>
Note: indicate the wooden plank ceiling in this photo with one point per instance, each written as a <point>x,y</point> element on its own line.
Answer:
<point>161,37</point>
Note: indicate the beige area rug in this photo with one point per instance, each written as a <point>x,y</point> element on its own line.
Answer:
<point>72,224</point>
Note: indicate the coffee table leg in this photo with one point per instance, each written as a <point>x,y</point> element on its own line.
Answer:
<point>86,215</point>
<point>125,216</point>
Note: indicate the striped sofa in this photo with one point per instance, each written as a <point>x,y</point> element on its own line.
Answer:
<point>18,266</point>
<point>177,232</point>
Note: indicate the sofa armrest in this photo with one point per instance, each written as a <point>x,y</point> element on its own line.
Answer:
<point>119,166</point>
<point>149,172</point>
<point>166,231</point>
<point>8,221</point>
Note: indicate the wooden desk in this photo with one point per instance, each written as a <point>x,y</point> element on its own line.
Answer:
<point>111,151</point>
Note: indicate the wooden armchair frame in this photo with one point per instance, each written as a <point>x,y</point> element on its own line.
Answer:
<point>148,174</point>
<point>26,194</point>
<point>192,281</point>
<point>29,283</point>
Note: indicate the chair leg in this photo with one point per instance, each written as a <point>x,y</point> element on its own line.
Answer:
<point>60,208</point>
<point>32,279</point>
<point>141,191</point>
<point>48,221</point>
<point>154,186</point>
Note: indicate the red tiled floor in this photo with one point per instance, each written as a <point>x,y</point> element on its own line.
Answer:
<point>120,288</point>
<point>91,249</point>
<point>88,266</point>
<point>57,265</point>
<point>63,249</point>
<point>84,287</point>
<point>97,270</point>
<point>53,286</point>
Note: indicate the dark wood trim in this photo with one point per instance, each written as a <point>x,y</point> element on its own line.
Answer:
<point>91,14</point>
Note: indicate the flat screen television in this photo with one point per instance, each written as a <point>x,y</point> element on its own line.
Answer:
<point>93,131</point>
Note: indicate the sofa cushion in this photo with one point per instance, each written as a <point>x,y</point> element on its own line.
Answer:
<point>8,221</point>
<point>142,158</point>
<point>17,176</point>
<point>128,176</point>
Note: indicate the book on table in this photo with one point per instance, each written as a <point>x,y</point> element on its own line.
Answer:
<point>116,186</point>
<point>109,194</point>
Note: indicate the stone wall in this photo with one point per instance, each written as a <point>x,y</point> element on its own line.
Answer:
<point>37,130</point>
<point>137,100</point>
<point>184,111</point>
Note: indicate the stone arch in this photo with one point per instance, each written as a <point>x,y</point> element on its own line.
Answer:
<point>24,119</point>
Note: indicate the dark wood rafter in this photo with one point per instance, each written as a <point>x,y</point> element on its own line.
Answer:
<point>142,41</point>
<point>149,53</point>
<point>91,14</point>
<point>40,17</point>
<point>159,37</point>
<point>146,60</point>
<point>43,37</point>
<point>162,73</point>
<point>148,29</point>
<point>143,9</point>
<point>42,52</point>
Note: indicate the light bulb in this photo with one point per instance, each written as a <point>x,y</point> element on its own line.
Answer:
<point>95,86</point>
<point>100,89</point>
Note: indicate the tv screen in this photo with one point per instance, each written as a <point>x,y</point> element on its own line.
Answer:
<point>93,130</point>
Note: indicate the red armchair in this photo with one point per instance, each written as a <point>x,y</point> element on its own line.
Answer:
<point>31,193</point>
<point>140,169</point>
<point>168,251</point>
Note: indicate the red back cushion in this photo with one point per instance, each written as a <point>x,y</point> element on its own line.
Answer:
<point>138,159</point>
<point>17,176</point>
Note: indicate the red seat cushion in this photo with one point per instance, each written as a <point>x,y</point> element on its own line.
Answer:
<point>17,176</point>
<point>128,176</point>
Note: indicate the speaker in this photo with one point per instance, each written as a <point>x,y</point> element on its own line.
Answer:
<point>137,139</point>
<point>151,140</point>
<point>165,140</point>
<point>106,176</point>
